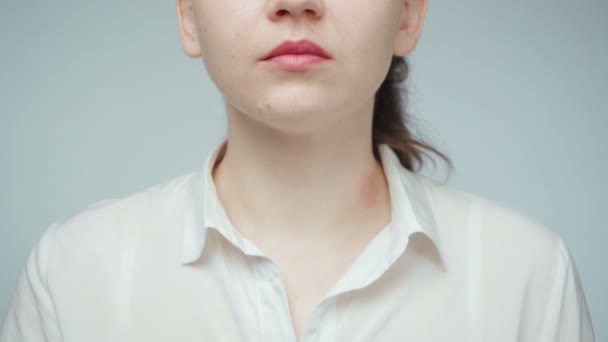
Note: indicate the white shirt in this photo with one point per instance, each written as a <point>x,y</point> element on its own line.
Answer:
<point>166,264</point>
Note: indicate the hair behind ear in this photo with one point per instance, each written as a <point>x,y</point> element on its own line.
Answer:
<point>391,123</point>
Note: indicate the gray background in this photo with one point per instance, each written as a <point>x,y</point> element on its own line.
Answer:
<point>97,100</point>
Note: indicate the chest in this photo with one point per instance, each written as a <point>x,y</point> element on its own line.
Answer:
<point>306,281</point>
<point>159,301</point>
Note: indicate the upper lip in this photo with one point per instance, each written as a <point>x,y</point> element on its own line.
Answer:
<point>298,47</point>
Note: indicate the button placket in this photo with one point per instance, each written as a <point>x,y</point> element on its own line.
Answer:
<point>321,324</point>
<point>273,307</point>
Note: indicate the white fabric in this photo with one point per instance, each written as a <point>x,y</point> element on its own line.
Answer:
<point>166,264</point>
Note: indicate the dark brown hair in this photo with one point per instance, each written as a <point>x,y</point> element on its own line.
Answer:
<point>392,124</point>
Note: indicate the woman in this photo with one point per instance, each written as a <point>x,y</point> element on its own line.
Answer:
<point>309,222</point>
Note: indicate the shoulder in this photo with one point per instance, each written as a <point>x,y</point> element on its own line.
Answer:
<point>109,225</point>
<point>502,231</point>
<point>524,266</point>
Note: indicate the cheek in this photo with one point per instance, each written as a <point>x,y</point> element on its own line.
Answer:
<point>369,28</point>
<point>226,49</point>
<point>224,28</point>
<point>369,36</point>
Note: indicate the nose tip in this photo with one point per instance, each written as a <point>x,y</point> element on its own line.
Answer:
<point>296,8</point>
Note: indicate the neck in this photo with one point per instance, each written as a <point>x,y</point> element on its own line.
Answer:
<point>301,186</point>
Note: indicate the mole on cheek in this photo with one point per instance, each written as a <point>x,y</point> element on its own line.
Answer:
<point>205,29</point>
<point>268,106</point>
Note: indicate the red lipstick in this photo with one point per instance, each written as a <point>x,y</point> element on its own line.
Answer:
<point>296,55</point>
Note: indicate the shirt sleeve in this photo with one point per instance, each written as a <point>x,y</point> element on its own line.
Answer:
<point>31,316</point>
<point>567,316</point>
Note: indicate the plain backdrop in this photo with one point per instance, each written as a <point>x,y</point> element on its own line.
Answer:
<point>98,100</point>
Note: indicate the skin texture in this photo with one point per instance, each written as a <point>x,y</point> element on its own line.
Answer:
<point>299,178</point>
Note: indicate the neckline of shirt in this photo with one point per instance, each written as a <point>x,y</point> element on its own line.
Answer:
<point>411,212</point>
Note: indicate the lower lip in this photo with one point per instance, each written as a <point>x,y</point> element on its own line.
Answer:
<point>296,62</point>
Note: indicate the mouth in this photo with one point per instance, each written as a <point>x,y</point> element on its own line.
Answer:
<point>296,55</point>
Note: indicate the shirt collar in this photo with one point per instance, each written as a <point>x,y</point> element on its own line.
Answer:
<point>410,207</point>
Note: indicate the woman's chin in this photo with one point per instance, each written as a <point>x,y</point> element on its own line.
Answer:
<point>297,120</point>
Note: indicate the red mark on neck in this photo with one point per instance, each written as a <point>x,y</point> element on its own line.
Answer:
<point>367,192</point>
